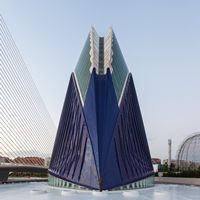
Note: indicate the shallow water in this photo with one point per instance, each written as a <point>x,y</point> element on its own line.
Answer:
<point>41,191</point>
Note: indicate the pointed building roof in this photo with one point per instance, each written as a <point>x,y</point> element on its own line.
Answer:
<point>101,53</point>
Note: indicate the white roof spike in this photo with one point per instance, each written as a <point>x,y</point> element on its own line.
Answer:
<point>93,30</point>
<point>110,28</point>
<point>94,49</point>
<point>108,39</point>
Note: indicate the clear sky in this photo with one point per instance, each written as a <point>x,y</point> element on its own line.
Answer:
<point>160,41</point>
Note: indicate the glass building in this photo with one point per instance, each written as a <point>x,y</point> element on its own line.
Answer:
<point>188,156</point>
<point>101,142</point>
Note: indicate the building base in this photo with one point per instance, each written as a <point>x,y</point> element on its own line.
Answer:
<point>144,183</point>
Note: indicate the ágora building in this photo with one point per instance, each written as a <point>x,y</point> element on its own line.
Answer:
<point>101,142</point>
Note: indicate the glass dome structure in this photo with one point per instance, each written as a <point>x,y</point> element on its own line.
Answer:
<point>188,155</point>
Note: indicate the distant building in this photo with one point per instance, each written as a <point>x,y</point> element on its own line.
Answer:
<point>5,160</point>
<point>173,162</point>
<point>156,160</point>
<point>188,155</point>
<point>47,162</point>
<point>30,161</point>
<point>101,142</point>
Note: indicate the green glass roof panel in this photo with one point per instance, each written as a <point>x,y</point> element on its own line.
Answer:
<point>82,69</point>
<point>119,67</point>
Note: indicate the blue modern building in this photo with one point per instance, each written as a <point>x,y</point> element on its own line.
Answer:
<point>101,142</point>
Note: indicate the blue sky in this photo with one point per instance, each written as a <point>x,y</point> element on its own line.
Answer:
<point>160,41</point>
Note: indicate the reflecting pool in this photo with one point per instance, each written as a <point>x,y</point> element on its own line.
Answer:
<point>41,191</point>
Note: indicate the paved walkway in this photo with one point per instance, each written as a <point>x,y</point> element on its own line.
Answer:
<point>176,180</point>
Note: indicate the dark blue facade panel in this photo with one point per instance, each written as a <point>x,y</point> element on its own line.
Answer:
<point>91,117</point>
<point>101,110</point>
<point>89,171</point>
<point>71,154</point>
<point>100,145</point>
<point>130,139</point>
